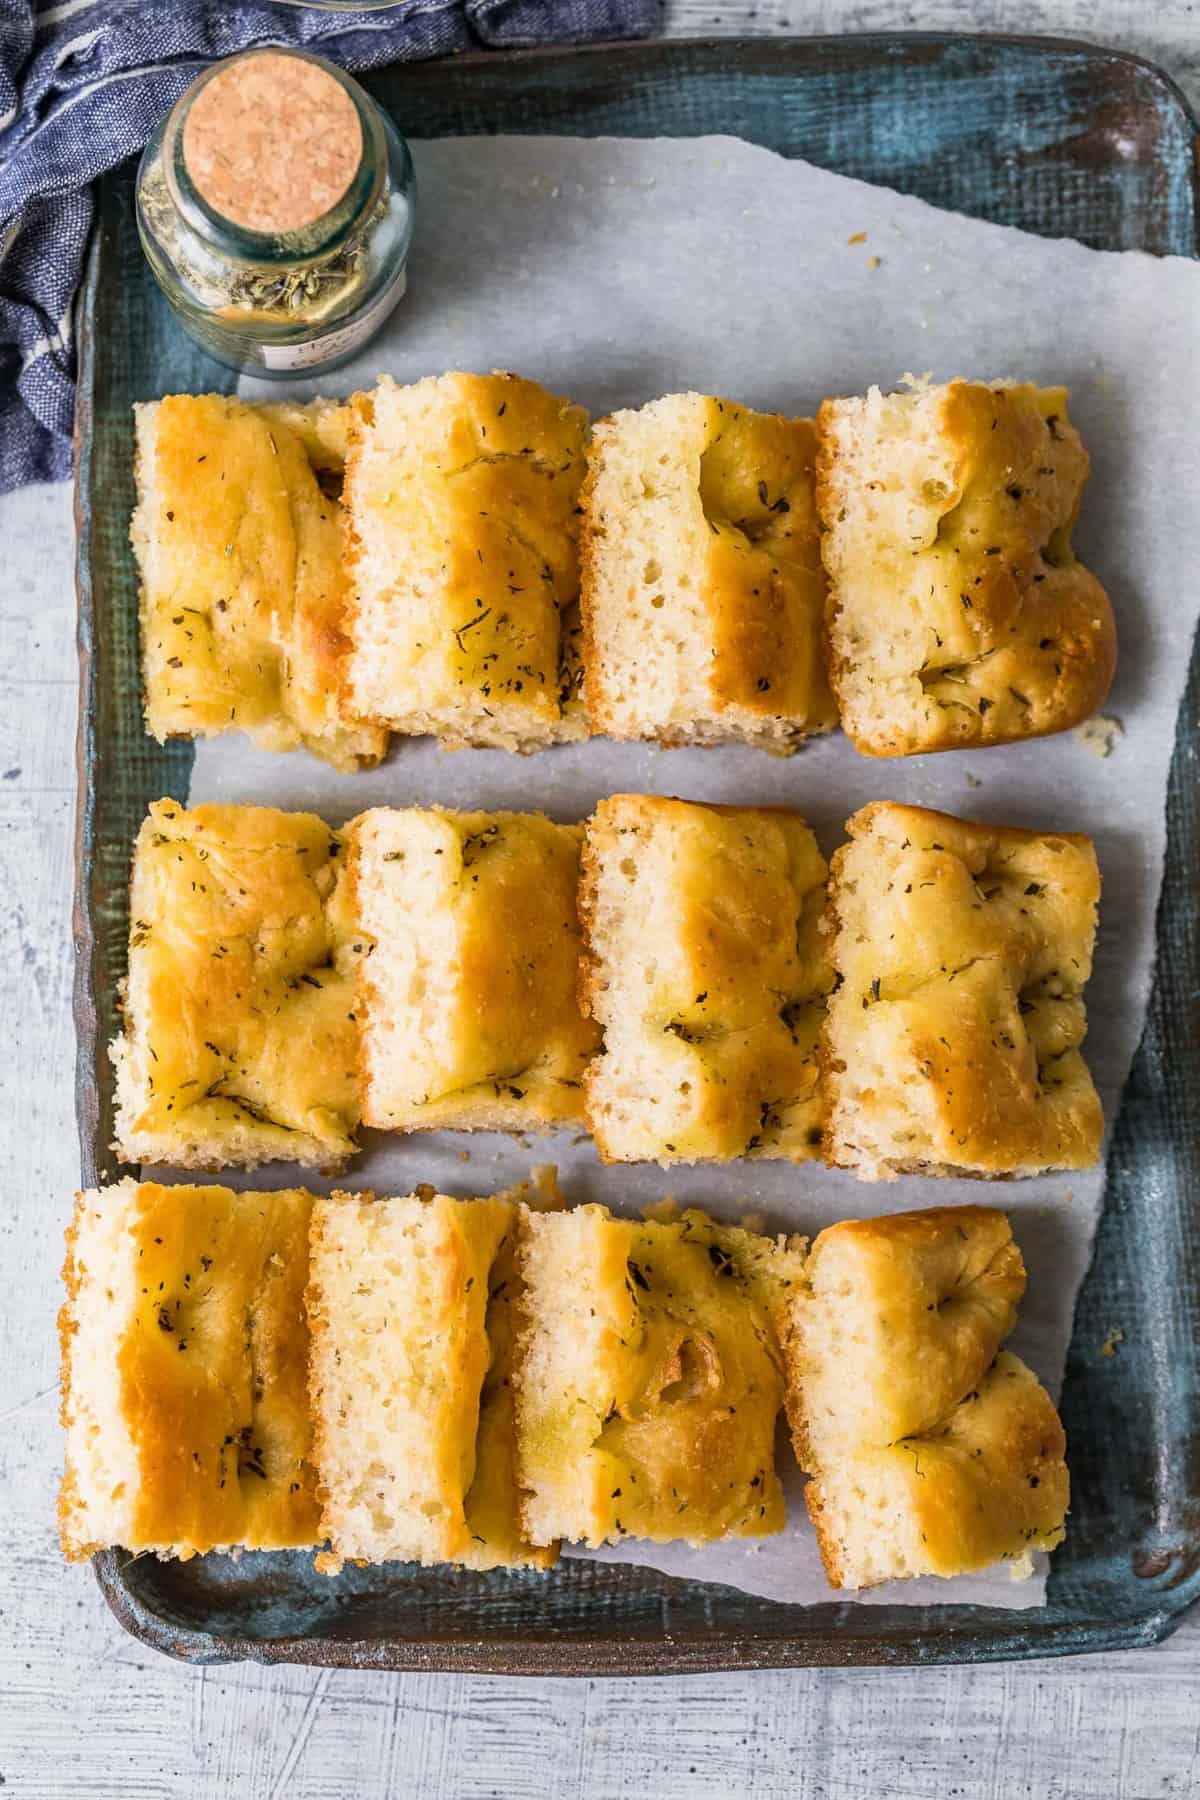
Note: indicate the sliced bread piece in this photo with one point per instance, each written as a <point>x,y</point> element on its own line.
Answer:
<point>648,1380</point>
<point>243,591</point>
<point>408,1304</point>
<point>707,970</point>
<point>467,996</point>
<point>958,613</point>
<point>462,494</point>
<point>930,1450</point>
<point>184,1352</point>
<point>703,589</point>
<point>240,1045</point>
<point>953,1038</point>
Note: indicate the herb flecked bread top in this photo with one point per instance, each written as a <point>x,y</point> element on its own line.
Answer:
<point>185,1363</point>
<point>240,1044</point>
<point>953,1038</point>
<point>461,501</point>
<point>930,1449</point>
<point>703,587</point>
<point>243,588</point>
<point>958,613</point>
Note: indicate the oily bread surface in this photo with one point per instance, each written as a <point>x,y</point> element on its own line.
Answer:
<point>703,586</point>
<point>647,1382</point>
<point>461,505</point>
<point>239,1044</point>
<point>930,1449</point>
<point>958,613</point>
<point>211,1370</point>
<point>467,991</point>
<point>243,591</point>
<point>706,966</point>
<point>953,1039</point>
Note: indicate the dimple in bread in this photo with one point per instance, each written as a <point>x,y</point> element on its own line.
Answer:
<point>243,591</point>
<point>184,1349</point>
<point>647,1381</point>
<point>240,1044</point>
<point>410,1306</point>
<point>703,587</point>
<point>958,613</point>
<point>930,1450</point>
<point>708,971</point>
<point>467,996</point>
<point>953,1038</point>
<point>462,495</point>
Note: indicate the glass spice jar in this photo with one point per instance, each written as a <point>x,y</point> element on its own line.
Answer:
<point>275,206</point>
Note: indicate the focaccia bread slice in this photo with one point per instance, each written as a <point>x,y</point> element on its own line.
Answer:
<point>648,1378</point>
<point>242,587</point>
<point>930,1450</point>
<point>467,992</point>
<point>703,588</point>
<point>707,969</point>
<point>958,613</point>
<point>462,494</point>
<point>240,1045</point>
<point>410,1306</point>
<point>953,1038</point>
<point>184,1377</point>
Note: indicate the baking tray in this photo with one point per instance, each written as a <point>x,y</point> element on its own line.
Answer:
<point>1059,138</point>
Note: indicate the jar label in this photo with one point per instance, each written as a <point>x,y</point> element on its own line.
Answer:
<point>338,342</point>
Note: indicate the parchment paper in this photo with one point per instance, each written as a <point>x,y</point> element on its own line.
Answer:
<point>618,270</point>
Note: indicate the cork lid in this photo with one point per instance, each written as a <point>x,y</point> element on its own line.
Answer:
<point>272,142</point>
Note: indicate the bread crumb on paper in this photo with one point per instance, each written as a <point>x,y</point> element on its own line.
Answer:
<point>860,237</point>
<point>1099,735</point>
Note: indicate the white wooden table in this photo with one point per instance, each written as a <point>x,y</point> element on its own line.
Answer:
<point>83,1709</point>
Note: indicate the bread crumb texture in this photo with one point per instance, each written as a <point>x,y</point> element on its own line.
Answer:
<point>707,969</point>
<point>703,586</point>
<point>185,1351</point>
<point>410,1306</point>
<point>467,991</point>
<point>648,1379</point>
<point>461,497</point>
<point>243,592</point>
<point>953,1036</point>
<point>958,612</point>
<point>240,1045</point>
<point>930,1450</point>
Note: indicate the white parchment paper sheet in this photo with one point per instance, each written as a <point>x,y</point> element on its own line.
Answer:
<point>615,270</point>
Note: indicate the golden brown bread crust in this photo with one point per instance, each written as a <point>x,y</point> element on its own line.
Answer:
<point>766,584</point>
<point>943,1284</point>
<point>420,1462</point>
<point>1021,636</point>
<point>240,1045</point>
<point>488,499</point>
<point>732,1020</point>
<point>916,1428</point>
<point>243,592</point>
<point>991,1487</point>
<point>212,1371</point>
<point>952,1041</point>
<point>647,1381</point>
<point>762,582</point>
<point>506,886</point>
<point>492,1506</point>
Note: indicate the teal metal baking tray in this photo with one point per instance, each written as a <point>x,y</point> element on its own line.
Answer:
<point>1058,138</point>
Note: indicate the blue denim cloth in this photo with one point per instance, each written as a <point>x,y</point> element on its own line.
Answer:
<point>82,85</point>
